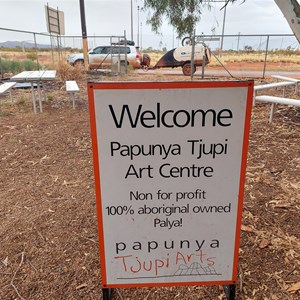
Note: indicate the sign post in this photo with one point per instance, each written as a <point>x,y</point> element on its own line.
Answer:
<point>169,164</point>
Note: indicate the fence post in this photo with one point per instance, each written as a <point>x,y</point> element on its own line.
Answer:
<point>193,56</point>
<point>1,69</point>
<point>266,55</point>
<point>126,60</point>
<point>36,51</point>
<point>52,54</point>
<point>203,64</point>
<point>223,30</point>
<point>58,48</point>
<point>112,67</point>
<point>238,42</point>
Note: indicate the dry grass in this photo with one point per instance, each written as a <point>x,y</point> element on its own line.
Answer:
<point>66,72</point>
<point>259,57</point>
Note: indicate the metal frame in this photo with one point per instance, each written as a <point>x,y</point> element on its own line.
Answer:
<point>107,294</point>
<point>229,291</point>
<point>276,100</point>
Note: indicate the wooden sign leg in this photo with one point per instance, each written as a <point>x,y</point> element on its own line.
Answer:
<point>229,290</point>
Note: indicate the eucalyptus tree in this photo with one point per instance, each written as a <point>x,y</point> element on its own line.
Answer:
<point>183,15</point>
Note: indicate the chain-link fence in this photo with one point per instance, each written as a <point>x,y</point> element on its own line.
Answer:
<point>249,42</point>
<point>24,50</point>
<point>252,54</point>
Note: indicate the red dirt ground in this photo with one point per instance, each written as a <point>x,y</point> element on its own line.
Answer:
<point>48,224</point>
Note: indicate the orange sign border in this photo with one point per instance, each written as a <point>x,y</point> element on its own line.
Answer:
<point>168,85</point>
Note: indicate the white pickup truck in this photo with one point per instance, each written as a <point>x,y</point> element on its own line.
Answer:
<point>103,57</point>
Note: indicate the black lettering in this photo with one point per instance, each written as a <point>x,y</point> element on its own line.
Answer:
<point>126,109</point>
<point>188,118</point>
<point>221,116</point>
<point>170,118</point>
<point>163,116</point>
<point>144,118</point>
<point>203,116</point>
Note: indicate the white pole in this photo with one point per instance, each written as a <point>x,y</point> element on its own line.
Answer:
<point>223,30</point>
<point>131,18</point>
<point>138,25</point>
<point>39,94</point>
<point>33,97</point>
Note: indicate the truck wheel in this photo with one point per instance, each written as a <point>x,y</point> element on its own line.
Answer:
<point>145,68</point>
<point>187,69</point>
<point>79,63</point>
<point>146,60</point>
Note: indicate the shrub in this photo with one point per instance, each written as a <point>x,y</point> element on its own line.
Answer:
<point>4,113</point>
<point>21,100</point>
<point>68,72</point>
<point>50,98</point>
<point>29,65</point>
<point>4,65</point>
<point>31,55</point>
<point>14,66</point>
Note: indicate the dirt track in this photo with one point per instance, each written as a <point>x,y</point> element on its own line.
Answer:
<point>48,224</point>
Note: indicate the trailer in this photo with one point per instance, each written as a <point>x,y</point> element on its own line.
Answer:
<point>182,57</point>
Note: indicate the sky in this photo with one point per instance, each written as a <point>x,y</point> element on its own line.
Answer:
<point>106,18</point>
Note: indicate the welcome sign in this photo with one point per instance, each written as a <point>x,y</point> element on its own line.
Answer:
<point>169,164</point>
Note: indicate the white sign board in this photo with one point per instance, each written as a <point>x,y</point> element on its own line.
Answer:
<point>169,162</point>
